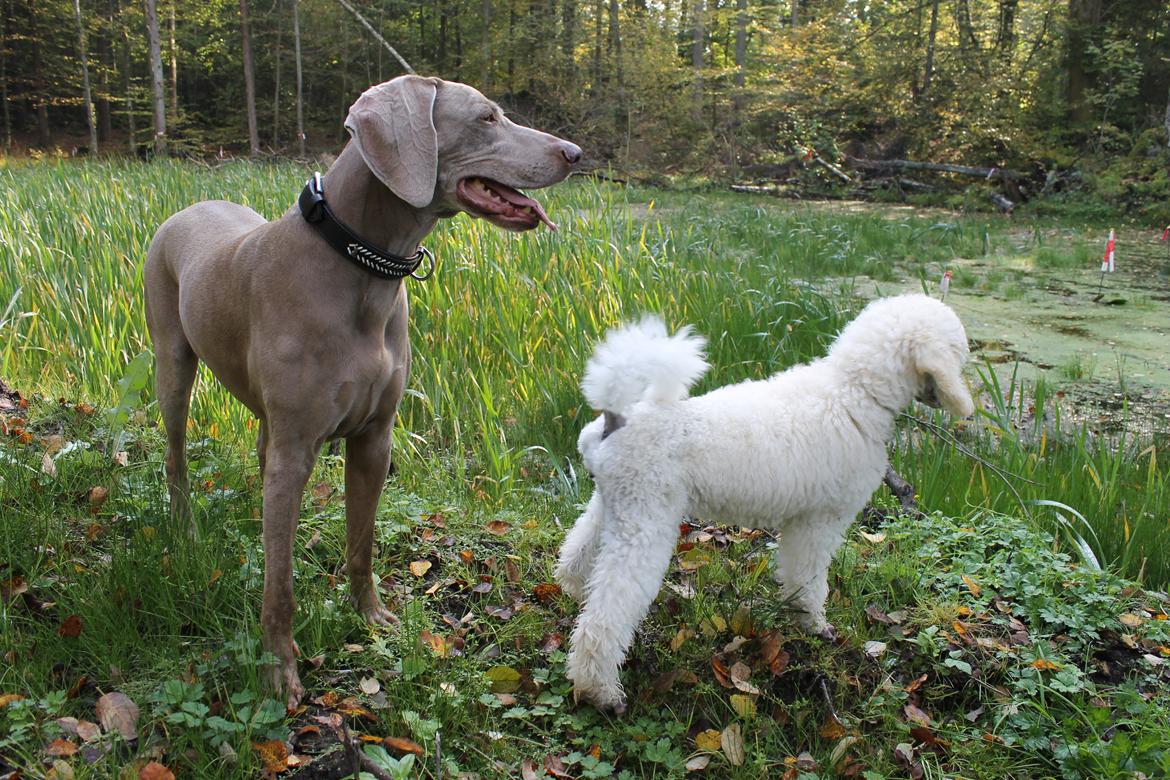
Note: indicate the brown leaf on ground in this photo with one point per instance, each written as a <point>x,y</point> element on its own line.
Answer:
<point>556,767</point>
<point>498,527</point>
<point>419,568</point>
<point>155,771</point>
<point>731,740</point>
<point>273,755</point>
<point>528,770</point>
<point>546,592</point>
<point>8,698</point>
<point>116,712</point>
<point>95,497</point>
<point>916,683</point>
<point>832,728</point>
<point>876,615</point>
<point>972,586</point>
<point>402,745</point>
<point>70,627</point>
<point>511,571</point>
<point>722,675</point>
<point>913,713</point>
<point>60,748</point>
<point>927,739</point>
<point>11,588</point>
<point>467,556</point>
<point>551,642</point>
<point>740,675</point>
<point>1043,664</point>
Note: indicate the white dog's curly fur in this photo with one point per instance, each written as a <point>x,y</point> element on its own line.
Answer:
<point>800,452</point>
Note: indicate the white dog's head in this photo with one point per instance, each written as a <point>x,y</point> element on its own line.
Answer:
<point>908,346</point>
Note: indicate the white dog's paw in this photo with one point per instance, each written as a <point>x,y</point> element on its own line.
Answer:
<point>594,686</point>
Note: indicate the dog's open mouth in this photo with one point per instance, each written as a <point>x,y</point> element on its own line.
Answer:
<point>500,204</point>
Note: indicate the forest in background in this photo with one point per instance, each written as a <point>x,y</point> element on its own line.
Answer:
<point>1068,94</point>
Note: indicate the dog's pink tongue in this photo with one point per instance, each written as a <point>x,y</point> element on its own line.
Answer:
<point>519,201</point>
<point>543,217</point>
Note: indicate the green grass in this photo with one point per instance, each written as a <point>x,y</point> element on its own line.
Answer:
<point>489,423</point>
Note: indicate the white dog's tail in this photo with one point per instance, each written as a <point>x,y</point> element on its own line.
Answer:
<point>640,362</point>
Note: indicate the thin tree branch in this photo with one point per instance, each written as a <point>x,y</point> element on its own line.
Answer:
<point>373,32</point>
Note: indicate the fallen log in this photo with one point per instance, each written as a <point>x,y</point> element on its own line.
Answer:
<point>913,165</point>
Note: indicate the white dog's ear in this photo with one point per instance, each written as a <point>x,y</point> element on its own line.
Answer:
<point>393,126</point>
<point>945,369</point>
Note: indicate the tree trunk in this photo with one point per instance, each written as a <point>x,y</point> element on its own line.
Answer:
<point>300,85</point>
<point>86,93</point>
<point>597,16</point>
<point>131,125</point>
<point>249,81</point>
<point>174,70</point>
<point>40,89</point>
<point>928,70</point>
<point>697,46</point>
<point>1005,38</point>
<point>795,11</point>
<point>568,42</point>
<point>4,74</point>
<point>1167,118</point>
<point>614,46</point>
<point>487,65</point>
<point>741,21</point>
<point>106,58</point>
<point>1083,16</point>
<point>369,27</point>
<point>276,88</point>
<point>156,78</point>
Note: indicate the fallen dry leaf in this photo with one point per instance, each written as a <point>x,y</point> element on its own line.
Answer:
<point>744,706</point>
<point>698,763</point>
<point>556,767</point>
<point>116,712</point>
<point>917,715</point>
<point>708,740</point>
<point>877,538</point>
<point>95,497</point>
<point>511,571</point>
<point>273,755</point>
<point>740,674</point>
<point>369,685</point>
<point>1044,665</point>
<point>419,568</point>
<point>60,748</point>
<point>70,627</point>
<point>875,649</point>
<point>546,592</point>
<point>731,740</point>
<point>503,679</point>
<point>8,698</point>
<point>721,673</point>
<point>680,638</point>
<point>1130,620</point>
<point>402,745</point>
<point>155,771</point>
<point>972,586</point>
<point>498,527</point>
<point>528,770</point>
<point>832,728</point>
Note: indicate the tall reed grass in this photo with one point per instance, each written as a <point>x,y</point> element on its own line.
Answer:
<point>501,333</point>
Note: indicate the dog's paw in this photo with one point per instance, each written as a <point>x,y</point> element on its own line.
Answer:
<point>283,678</point>
<point>601,701</point>
<point>371,608</point>
<point>828,633</point>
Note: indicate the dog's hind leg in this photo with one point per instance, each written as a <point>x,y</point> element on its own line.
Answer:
<point>802,568</point>
<point>175,363</point>
<point>636,545</point>
<point>367,464</point>
<point>579,550</point>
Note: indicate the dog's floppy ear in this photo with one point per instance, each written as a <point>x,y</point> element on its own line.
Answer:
<point>945,368</point>
<point>393,126</point>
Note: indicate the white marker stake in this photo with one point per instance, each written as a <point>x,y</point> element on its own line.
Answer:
<point>944,286</point>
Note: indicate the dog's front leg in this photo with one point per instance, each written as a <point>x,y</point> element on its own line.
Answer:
<point>367,463</point>
<point>287,468</point>
<point>636,545</point>
<point>579,550</point>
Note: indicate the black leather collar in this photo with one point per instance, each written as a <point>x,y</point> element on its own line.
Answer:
<point>353,247</point>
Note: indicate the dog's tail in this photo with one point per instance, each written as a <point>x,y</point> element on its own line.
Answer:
<point>640,362</point>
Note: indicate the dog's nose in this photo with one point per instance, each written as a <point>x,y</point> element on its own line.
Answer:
<point>571,152</point>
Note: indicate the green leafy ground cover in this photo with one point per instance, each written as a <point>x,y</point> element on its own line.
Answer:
<point>979,640</point>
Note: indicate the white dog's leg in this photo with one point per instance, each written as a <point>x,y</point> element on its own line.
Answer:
<point>580,550</point>
<point>636,545</point>
<point>802,568</point>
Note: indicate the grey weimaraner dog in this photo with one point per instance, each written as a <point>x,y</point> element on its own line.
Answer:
<point>313,344</point>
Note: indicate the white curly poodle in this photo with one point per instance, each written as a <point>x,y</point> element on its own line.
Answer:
<point>800,453</point>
